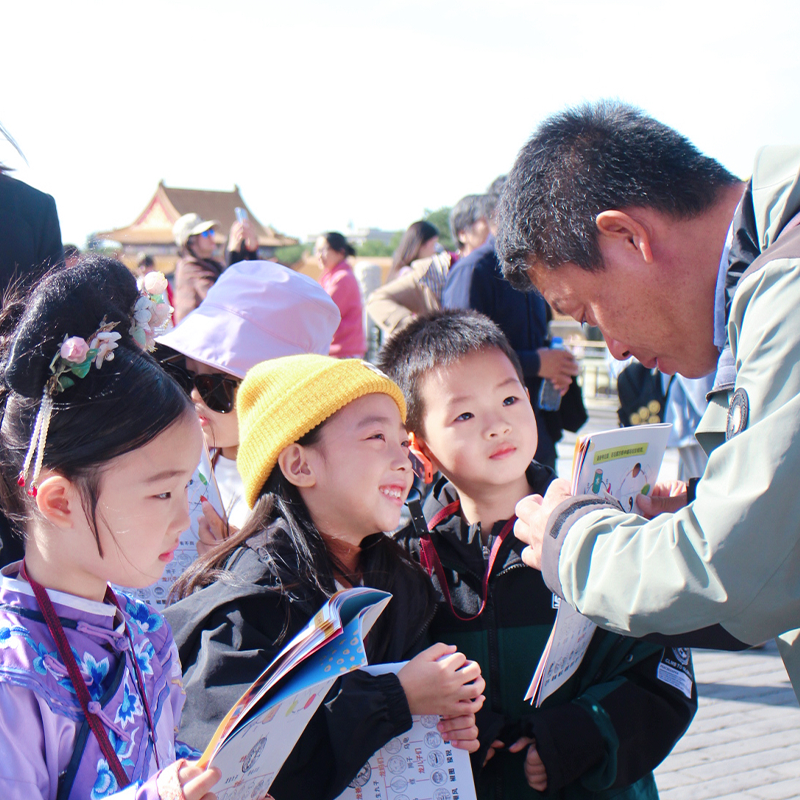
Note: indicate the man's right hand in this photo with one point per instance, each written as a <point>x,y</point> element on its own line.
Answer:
<point>557,366</point>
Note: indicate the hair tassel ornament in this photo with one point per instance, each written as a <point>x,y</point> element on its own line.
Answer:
<point>73,360</point>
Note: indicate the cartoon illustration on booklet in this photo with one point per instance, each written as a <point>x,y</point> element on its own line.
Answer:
<point>260,731</point>
<point>419,765</point>
<point>622,463</point>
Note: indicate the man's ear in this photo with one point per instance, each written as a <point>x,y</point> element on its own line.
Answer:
<point>296,467</point>
<point>58,501</point>
<point>618,229</point>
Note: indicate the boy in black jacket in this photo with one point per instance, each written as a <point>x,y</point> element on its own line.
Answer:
<point>604,731</point>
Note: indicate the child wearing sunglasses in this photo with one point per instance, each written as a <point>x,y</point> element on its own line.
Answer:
<point>257,310</point>
<point>324,459</point>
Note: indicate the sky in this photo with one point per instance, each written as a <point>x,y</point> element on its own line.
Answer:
<point>364,112</point>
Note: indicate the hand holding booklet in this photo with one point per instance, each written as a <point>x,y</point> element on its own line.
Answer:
<point>620,464</point>
<point>260,731</point>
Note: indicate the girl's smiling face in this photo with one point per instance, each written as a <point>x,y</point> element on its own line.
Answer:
<point>358,471</point>
<point>141,511</point>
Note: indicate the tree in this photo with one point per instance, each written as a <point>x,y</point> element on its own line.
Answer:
<point>440,218</point>
<point>292,254</point>
<point>372,248</point>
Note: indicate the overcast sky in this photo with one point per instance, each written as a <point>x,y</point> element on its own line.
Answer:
<point>332,112</point>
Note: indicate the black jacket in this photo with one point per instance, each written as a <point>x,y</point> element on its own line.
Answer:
<point>228,632</point>
<point>604,731</point>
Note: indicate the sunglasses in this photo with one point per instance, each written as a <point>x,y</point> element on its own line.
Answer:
<point>217,391</point>
<point>206,234</point>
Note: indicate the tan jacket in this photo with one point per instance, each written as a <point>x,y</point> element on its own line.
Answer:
<point>417,292</point>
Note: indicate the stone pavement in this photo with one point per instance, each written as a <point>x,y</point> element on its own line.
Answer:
<point>745,740</point>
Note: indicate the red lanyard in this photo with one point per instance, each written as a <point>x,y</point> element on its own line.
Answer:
<point>65,651</point>
<point>430,558</point>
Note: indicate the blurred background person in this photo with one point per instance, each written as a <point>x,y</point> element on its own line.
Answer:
<point>30,235</point>
<point>338,280</point>
<point>197,270</point>
<point>419,241</point>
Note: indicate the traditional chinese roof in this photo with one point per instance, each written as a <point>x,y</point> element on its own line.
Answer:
<point>154,224</point>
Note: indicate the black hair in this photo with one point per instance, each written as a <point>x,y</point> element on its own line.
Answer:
<point>303,564</point>
<point>338,243</point>
<point>589,159</point>
<point>407,251</point>
<point>111,411</point>
<point>465,213</point>
<point>431,342</point>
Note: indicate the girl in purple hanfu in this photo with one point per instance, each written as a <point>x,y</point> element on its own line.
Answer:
<point>97,445</point>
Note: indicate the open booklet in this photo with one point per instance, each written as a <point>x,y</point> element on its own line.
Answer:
<point>620,463</point>
<point>260,731</point>
<point>202,486</point>
<point>419,764</point>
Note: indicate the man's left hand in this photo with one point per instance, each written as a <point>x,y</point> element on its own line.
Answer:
<point>532,515</point>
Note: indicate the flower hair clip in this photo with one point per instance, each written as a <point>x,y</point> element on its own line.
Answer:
<point>73,360</point>
<point>152,313</point>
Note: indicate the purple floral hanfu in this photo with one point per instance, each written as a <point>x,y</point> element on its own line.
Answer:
<point>47,750</point>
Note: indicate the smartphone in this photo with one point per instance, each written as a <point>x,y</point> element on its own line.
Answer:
<point>420,463</point>
<point>241,214</point>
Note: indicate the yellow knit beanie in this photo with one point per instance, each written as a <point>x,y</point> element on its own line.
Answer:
<point>282,399</point>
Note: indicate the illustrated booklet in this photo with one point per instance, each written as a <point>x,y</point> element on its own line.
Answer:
<point>260,731</point>
<point>417,765</point>
<point>621,463</point>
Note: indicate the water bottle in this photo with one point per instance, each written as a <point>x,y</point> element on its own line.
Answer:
<point>549,396</point>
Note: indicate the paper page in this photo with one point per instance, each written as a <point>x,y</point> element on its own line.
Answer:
<point>202,484</point>
<point>417,765</point>
<point>622,462</point>
<point>565,650</point>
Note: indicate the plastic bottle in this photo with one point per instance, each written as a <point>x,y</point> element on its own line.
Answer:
<point>549,396</point>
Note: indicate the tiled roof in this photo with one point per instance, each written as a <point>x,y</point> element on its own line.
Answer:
<point>154,224</point>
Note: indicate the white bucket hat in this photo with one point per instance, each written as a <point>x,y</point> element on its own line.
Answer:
<point>190,225</point>
<point>257,310</point>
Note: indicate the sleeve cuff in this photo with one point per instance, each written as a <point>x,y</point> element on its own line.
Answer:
<point>563,517</point>
<point>397,709</point>
<point>530,362</point>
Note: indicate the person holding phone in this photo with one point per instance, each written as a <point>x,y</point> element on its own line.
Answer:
<point>197,269</point>
<point>256,311</point>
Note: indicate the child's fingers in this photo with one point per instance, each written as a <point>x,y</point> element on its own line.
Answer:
<point>454,661</point>
<point>470,745</point>
<point>215,522</point>
<point>437,651</point>
<point>447,724</point>
<point>197,783</point>
<point>521,744</point>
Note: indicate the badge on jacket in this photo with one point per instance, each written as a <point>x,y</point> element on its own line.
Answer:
<point>738,412</point>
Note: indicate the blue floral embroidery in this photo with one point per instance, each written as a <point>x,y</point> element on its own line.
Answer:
<point>8,636</point>
<point>183,750</point>
<point>95,673</point>
<point>145,653</point>
<point>142,616</point>
<point>131,706</point>
<point>106,783</point>
<point>122,748</point>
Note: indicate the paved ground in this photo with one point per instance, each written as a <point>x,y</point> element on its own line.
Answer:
<point>745,740</point>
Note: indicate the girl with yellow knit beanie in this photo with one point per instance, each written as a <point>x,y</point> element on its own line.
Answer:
<point>323,455</point>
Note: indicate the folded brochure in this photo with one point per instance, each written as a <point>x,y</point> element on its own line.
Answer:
<point>260,731</point>
<point>620,463</point>
<point>416,765</point>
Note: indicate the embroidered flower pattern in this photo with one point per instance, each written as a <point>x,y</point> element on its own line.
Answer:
<point>145,653</point>
<point>106,783</point>
<point>142,616</point>
<point>131,706</point>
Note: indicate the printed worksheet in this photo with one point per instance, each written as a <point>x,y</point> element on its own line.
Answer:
<point>562,655</point>
<point>622,462</point>
<point>418,765</point>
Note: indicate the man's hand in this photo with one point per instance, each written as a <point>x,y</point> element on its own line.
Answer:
<point>557,366</point>
<point>532,515</point>
<point>664,498</point>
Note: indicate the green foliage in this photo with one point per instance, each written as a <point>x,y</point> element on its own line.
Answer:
<point>374,249</point>
<point>440,218</point>
<point>292,254</point>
